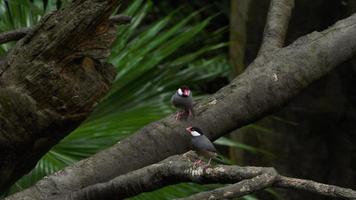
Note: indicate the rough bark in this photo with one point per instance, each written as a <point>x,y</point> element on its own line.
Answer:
<point>181,168</point>
<point>20,33</point>
<point>255,93</point>
<point>50,81</point>
<point>315,131</point>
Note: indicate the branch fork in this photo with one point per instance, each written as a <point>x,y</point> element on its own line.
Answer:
<point>180,168</point>
<point>277,74</point>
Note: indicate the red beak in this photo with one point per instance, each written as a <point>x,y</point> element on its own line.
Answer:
<point>189,129</point>
<point>186,92</point>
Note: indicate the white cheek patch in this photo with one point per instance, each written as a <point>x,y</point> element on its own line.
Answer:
<point>194,133</point>
<point>180,92</point>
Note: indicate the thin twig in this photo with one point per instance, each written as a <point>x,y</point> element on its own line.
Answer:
<point>20,33</point>
<point>120,19</point>
<point>13,35</point>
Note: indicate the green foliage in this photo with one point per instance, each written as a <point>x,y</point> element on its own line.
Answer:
<point>151,65</point>
<point>16,14</point>
<point>175,191</point>
<point>231,143</point>
<point>150,68</point>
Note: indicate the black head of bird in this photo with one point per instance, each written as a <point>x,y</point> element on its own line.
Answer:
<point>201,144</point>
<point>183,100</point>
<point>183,91</point>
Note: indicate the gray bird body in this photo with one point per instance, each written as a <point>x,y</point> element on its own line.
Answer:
<point>182,102</point>
<point>203,146</point>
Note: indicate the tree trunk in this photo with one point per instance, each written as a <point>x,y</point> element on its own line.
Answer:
<point>50,81</point>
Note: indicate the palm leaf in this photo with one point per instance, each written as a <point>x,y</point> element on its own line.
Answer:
<point>148,61</point>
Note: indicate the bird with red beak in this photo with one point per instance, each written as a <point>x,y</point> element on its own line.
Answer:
<point>183,100</point>
<point>201,144</point>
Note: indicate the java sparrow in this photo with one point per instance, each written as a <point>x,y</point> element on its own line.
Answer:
<point>183,100</point>
<point>201,144</point>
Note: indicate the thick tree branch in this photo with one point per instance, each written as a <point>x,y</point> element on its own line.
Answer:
<point>178,169</point>
<point>50,81</point>
<point>319,188</point>
<point>276,25</point>
<point>271,179</point>
<point>255,93</point>
<point>20,33</point>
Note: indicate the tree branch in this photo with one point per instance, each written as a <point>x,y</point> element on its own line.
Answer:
<point>20,33</point>
<point>13,35</point>
<point>315,187</point>
<point>176,169</point>
<point>255,93</point>
<point>45,79</point>
<point>239,189</point>
<point>277,25</point>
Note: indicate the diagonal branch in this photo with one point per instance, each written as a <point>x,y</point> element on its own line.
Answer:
<point>276,25</point>
<point>20,33</point>
<point>315,187</point>
<point>177,169</point>
<point>255,93</point>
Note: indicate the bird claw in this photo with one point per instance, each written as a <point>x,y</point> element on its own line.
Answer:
<point>200,163</point>
<point>209,162</point>
<point>197,163</point>
<point>177,116</point>
<point>182,114</point>
<point>190,113</point>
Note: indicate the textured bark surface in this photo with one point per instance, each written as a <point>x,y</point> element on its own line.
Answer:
<point>50,81</point>
<point>20,33</point>
<point>170,171</point>
<point>181,168</point>
<point>313,136</point>
<point>268,84</point>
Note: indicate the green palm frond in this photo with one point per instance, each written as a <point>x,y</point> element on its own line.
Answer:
<point>224,141</point>
<point>150,67</point>
<point>16,14</point>
<point>175,191</point>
